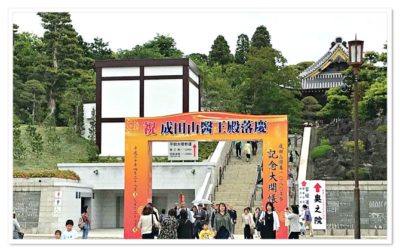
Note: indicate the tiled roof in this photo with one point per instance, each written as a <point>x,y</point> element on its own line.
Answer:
<point>323,59</point>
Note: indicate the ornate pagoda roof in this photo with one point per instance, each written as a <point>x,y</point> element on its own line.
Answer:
<point>337,53</point>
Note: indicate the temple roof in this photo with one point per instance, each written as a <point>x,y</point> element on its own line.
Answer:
<point>337,53</point>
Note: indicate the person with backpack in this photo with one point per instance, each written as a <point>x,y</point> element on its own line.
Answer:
<point>308,220</point>
<point>146,222</point>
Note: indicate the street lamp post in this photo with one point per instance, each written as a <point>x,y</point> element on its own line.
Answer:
<point>356,60</point>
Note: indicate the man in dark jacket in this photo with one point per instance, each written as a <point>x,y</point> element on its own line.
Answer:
<point>233,214</point>
<point>185,227</point>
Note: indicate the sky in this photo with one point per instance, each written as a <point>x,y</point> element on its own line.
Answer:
<point>299,35</point>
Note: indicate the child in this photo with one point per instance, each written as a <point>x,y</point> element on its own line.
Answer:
<point>206,233</point>
<point>69,234</point>
<point>57,234</point>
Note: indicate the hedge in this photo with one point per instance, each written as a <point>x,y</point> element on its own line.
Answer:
<point>46,174</point>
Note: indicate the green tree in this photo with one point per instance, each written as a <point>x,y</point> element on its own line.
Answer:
<point>261,38</point>
<point>337,107</point>
<point>159,47</point>
<point>32,100</point>
<point>64,55</point>
<point>242,49</point>
<point>198,58</point>
<point>220,52</point>
<point>374,102</point>
<point>310,109</point>
<point>138,52</point>
<point>217,93</point>
<point>300,67</point>
<point>271,86</point>
<point>27,76</point>
<point>165,45</point>
<point>99,50</point>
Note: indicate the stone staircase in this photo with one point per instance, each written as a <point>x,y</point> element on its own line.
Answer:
<point>238,183</point>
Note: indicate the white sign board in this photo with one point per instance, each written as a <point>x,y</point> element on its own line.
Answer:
<point>185,150</point>
<point>313,194</point>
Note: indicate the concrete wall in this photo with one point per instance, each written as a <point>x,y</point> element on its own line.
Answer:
<point>342,223</point>
<point>110,176</point>
<point>52,216</point>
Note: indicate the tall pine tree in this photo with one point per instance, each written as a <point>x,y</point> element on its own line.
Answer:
<point>261,38</point>
<point>242,49</point>
<point>68,73</point>
<point>220,52</point>
<point>64,55</point>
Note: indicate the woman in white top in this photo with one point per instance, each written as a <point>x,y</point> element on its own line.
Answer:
<point>269,222</point>
<point>146,221</point>
<point>292,215</point>
<point>248,223</point>
<point>247,150</point>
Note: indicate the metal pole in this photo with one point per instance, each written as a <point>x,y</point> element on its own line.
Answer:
<point>357,231</point>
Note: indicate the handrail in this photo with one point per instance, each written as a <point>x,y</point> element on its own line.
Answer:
<point>225,164</point>
<point>252,194</point>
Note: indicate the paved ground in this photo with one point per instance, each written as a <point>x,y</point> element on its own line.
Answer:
<point>119,234</point>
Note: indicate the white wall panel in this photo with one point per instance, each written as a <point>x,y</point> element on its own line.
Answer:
<point>163,70</point>
<point>113,139</point>
<point>162,97</point>
<point>194,76</point>
<point>193,98</point>
<point>120,71</point>
<point>160,148</point>
<point>120,99</point>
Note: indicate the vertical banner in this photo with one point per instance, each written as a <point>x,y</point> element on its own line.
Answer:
<point>318,203</point>
<point>275,174</point>
<point>313,194</point>
<point>140,132</point>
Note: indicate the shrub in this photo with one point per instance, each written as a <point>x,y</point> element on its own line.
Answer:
<point>46,174</point>
<point>382,129</point>
<point>19,147</point>
<point>92,151</point>
<point>349,146</point>
<point>320,151</point>
<point>324,141</point>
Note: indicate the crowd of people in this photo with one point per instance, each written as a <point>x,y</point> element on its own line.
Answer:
<point>218,222</point>
<point>200,222</point>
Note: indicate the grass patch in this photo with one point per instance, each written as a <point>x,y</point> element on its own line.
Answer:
<point>72,150</point>
<point>42,173</point>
